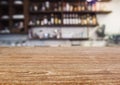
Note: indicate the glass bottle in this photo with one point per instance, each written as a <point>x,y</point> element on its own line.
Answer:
<point>59,6</point>
<point>82,6</point>
<point>35,7</point>
<point>45,20</point>
<point>79,20</point>
<point>94,20</point>
<point>47,5</point>
<point>43,7</point>
<point>52,19</point>
<point>56,20</point>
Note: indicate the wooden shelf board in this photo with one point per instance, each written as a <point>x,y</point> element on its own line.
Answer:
<point>79,25</point>
<point>45,26</point>
<point>37,12</point>
<point>66,26</point>
<point>97,12</point>
<point>62,39</point>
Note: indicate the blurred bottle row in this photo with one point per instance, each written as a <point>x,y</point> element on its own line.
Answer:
<point>68,6</point>
<point>66,19</point>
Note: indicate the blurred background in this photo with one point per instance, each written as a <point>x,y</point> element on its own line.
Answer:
<point>89,23</point>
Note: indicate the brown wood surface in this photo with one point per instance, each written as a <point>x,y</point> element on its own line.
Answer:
<point>59,66</point>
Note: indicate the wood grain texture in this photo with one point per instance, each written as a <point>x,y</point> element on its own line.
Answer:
<point>59,66</point>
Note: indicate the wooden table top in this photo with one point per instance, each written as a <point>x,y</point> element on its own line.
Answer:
<point>59,66</point>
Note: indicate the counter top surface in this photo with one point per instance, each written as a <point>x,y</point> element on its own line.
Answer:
<point>59,66</point>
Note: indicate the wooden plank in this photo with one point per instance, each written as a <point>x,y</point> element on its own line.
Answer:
<point>59,66</point>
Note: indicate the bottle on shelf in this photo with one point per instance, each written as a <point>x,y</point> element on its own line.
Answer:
<point>94,6</point>
<point>67,7</point>
<point>89,6</point>
<point>75,8</point>
<point>89,19</point>
<point>35,7</point>
<point>45,20</point>
<point>43,7</point>
<point>56,20</point>
<point>71,8</point>
<point>79,7</point>
<point>70,19</point>
<point>52,19</point>
<point>84,21</point>
<point>38,22</point>
<point>82,6</point>
<point>79,20</point>
<point>59,6</point>
<point>55,7</point>
<point>73,19</point>
<point>64,19</point>
<point>94,20</point>
<point>76,19</point>
<point>49,21</point>
<point>47,5</point>
<point>67,19</point>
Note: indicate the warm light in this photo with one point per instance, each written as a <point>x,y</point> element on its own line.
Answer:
<point>89,0</point>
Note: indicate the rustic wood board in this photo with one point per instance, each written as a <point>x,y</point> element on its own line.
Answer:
<point>59,66</point>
